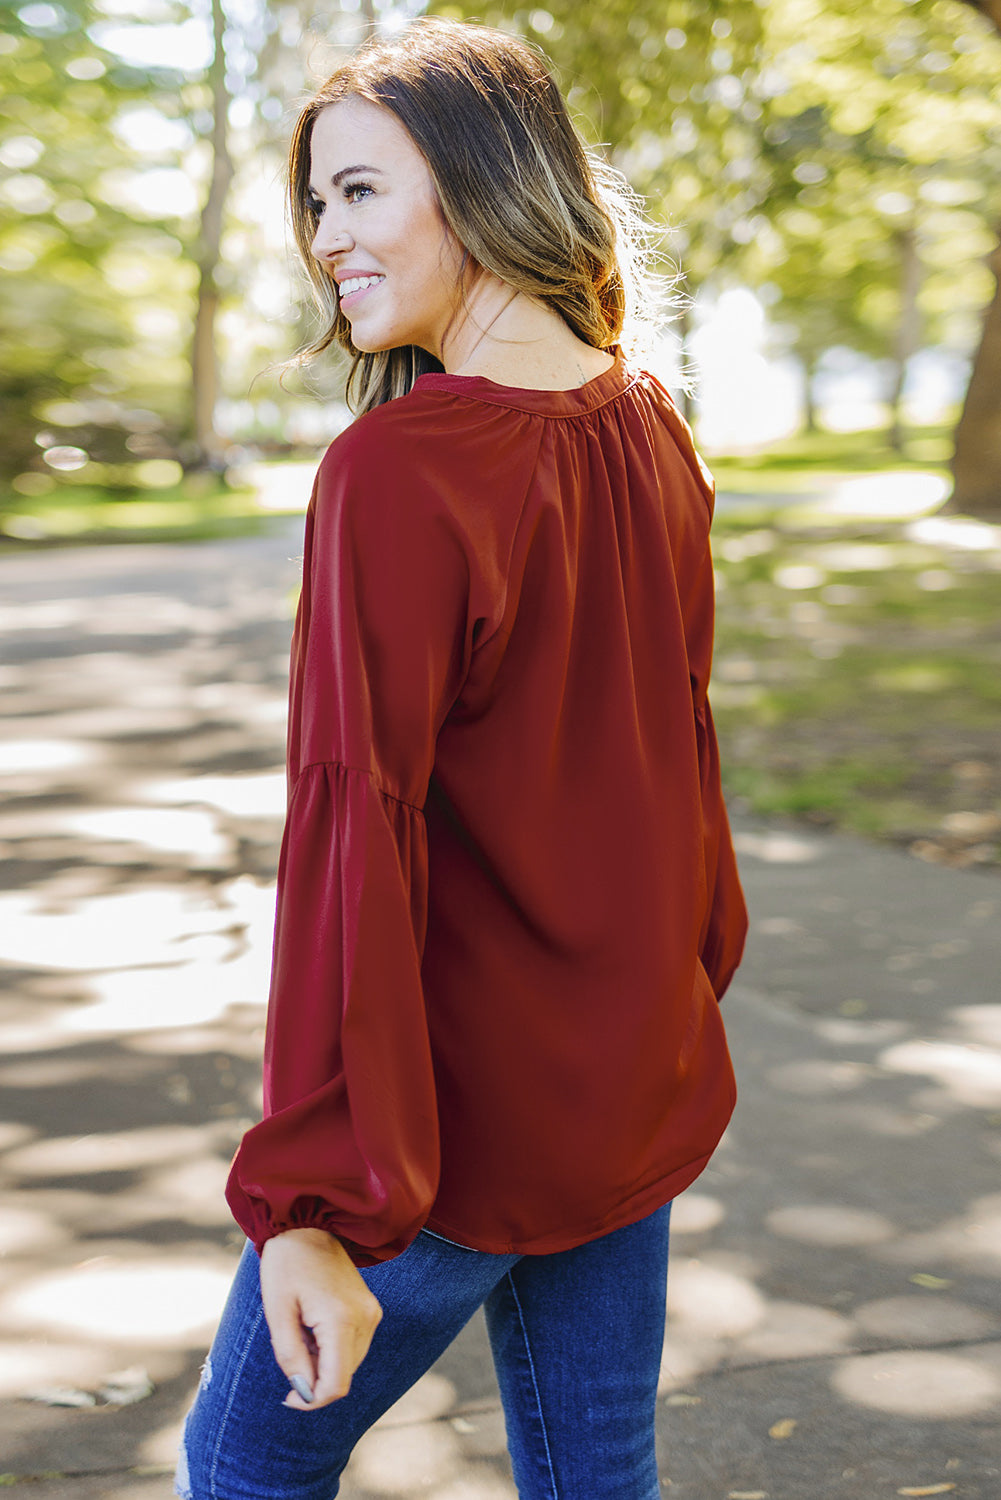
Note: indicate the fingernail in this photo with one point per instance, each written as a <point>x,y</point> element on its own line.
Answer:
<point>302,1387</point>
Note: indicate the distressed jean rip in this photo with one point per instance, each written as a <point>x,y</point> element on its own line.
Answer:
<point>182,1478</point>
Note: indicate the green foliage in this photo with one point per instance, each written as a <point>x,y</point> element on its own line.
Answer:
<point>792,144</point>
<point>800,146</point>
<point>811,460</point>
<point>667,87</point>
<point>91,283</point>
<point>202,505</point>
<point>857,676</point>
<point>883,126</point>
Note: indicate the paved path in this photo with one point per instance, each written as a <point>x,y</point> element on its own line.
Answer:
<point>836,1319</point>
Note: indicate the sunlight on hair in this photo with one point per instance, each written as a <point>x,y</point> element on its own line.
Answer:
<point>918,1383</point>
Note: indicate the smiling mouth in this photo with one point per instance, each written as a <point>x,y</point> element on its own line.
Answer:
<point>349,290</point>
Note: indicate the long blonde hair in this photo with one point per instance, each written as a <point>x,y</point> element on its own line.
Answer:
<point>517,186</point>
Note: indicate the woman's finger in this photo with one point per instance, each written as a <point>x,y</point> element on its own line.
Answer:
<point>336,1362</point>
<point>343,1340</point>
<point>291,1344</point>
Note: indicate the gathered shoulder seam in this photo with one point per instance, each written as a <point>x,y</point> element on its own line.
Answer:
<point>484,398</point>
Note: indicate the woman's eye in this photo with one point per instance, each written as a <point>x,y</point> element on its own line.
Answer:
<point>315,207</point>
<point>353,188</point>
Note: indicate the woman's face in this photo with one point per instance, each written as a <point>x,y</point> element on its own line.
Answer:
<point>381,234</point>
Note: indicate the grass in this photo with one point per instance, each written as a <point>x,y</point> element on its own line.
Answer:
<point>857,681</point>
<point>858,676</point>
<point>200,507</point>
<point>814,460</point>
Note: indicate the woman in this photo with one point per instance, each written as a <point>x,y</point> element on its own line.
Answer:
<point>507,899</point>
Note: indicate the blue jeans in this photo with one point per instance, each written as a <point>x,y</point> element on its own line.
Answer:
<point>576,1340</point>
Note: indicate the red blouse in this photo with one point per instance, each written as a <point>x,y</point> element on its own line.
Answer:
<point>507,896</point>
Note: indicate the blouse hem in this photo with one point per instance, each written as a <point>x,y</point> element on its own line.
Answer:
<point>663,1191</point>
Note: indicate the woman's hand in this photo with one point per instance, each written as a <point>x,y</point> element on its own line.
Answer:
<point>320,1313</point>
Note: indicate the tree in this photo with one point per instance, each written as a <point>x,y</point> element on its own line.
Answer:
<point>204,353</point>
<point>84,375</point>
<point>666,87</point>
<point>834,158</point>
<point>835,154</point>
<point>878,140</point>
<point>260,60</point>
<point>989,8</point>
<point>976,463</point>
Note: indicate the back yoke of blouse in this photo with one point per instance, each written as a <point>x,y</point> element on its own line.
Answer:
<point>507,897</point>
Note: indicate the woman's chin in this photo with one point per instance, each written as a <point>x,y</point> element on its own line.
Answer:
<point>371,343</point>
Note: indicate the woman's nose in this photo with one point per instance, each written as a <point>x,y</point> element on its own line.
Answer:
<point>330,239</point>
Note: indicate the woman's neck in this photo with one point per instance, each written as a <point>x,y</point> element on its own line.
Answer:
<point>514,340</point>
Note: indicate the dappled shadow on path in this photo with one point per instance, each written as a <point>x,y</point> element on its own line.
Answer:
<point>145,692</point>
<point>835,1319</point>
<point>835,1322</point>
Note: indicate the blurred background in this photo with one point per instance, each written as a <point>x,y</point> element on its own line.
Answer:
<point>827,179</point>
<point>826,175</point>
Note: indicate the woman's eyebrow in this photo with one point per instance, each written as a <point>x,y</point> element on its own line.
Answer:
<point>339,177</point>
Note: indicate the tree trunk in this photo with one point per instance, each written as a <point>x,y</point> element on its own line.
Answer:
<point>976,463</point>
<point>809,404</point>
<point>204,354</point>
<point>908,337</point>
<point>989,8</point>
